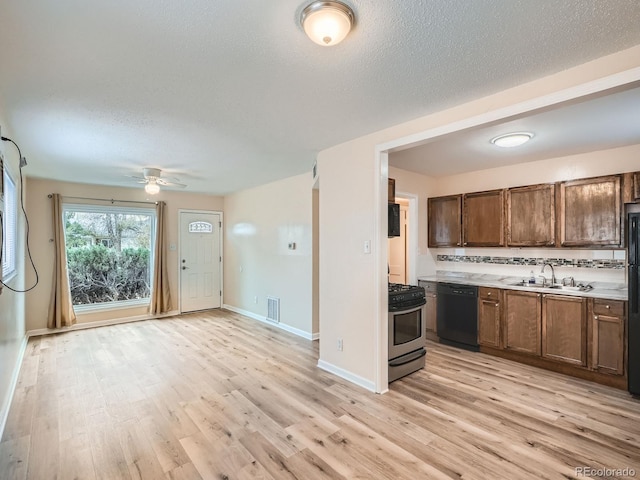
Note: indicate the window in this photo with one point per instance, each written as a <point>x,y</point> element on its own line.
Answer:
<point>109,254</point>
<point>9,227</point>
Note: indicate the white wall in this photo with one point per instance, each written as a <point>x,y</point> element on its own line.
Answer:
<point>421,186</point>
<point>352,284</point>
<point>348,276</point>
<point>260,224</point>
<point>593,164</point>
<point>39,207</point>
<point>12,305</point>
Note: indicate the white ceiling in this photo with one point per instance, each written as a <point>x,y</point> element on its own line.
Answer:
<point>229,94</point>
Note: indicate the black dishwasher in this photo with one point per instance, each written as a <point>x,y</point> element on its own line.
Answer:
<point>457,315</point>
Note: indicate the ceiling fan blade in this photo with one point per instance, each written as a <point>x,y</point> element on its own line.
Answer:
<point>162,182</point>
<point>135,177</point>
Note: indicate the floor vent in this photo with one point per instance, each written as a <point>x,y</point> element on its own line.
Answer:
<point>273,309</point>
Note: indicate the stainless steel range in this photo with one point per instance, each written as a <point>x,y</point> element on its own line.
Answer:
<point>406,330</point>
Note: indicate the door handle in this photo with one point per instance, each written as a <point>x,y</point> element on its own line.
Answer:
<point>184,268</point>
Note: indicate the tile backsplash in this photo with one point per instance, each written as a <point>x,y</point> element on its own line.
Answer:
<point>556,262</point>
<point>583,265</point>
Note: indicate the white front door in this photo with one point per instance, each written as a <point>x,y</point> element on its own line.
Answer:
<point>200,261</point>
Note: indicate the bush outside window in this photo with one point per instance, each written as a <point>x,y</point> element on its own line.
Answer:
<point>109,253</point>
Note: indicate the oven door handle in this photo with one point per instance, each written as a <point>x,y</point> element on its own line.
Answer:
<point>409,357</point>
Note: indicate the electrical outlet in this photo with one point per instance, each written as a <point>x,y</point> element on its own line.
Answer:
<point>340,345</point>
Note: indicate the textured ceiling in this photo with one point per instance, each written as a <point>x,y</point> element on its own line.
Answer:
<point>229,94</point>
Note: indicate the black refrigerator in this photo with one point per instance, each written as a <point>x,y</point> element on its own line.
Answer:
<point>634,293</point>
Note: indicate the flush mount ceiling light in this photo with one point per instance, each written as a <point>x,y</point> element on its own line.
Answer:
<point>152,187</point>
<point>327,23</point>
<point>514,139</point>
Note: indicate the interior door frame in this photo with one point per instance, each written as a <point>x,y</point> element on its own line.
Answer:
<point>412,236</point>
<point>220,242</point>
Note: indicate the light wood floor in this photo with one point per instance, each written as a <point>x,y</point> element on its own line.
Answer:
<point>219,396</point>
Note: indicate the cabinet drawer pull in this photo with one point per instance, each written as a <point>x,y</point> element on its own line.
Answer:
<point>489,294</point>
<point>595,317</point>
<point>496,304</point>
<point>607,307</point>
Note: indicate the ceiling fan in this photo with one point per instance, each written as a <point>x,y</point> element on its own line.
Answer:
<point>152,181</point>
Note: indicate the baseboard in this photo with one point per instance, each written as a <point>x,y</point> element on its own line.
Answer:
<point>6,402</point>
<point>99,323</point>
<point>282,326</point>
<point>347,375</point>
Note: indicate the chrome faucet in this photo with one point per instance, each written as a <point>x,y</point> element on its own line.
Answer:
<point>553,274</point>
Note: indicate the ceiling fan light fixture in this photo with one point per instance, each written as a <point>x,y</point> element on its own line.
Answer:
<point>327,23</point>
<point>509,140</point>
<point>152,188</point>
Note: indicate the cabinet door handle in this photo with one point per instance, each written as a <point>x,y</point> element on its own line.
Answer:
<point>607,307</point>
<point>496,304</point>
<point>595,317</point>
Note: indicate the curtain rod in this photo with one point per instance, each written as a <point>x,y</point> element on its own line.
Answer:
<point>105,200</point>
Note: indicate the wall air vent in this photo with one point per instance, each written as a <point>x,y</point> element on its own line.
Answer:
<point>273,309</point>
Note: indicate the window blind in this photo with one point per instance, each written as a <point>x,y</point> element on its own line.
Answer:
<point>10,227</point>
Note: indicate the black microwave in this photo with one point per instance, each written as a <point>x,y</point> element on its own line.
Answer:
<point>394,220</point>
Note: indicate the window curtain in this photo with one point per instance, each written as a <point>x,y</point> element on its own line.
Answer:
<point>61,312</point>
<point>160,295</point>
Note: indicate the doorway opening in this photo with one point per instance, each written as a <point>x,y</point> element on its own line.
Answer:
<point>397,247</point>
<point>402,250</point>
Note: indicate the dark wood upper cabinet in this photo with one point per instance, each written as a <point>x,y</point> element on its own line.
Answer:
<point>531,216</point>
<point>636,186</point>
<point>445,224</point>
<point>590,212</point>
<point>483,218</point>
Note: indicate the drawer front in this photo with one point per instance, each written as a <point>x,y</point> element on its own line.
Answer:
<point>487,293</point>
<point>608,307</point>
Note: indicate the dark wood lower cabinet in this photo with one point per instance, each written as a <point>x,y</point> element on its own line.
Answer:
<point>576,336</point>
<point>607,343</point>
<point>489,317</point>
<point>564,329</point>
<point>522,321</point>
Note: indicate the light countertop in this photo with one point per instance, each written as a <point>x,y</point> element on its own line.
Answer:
<point>604,290</point>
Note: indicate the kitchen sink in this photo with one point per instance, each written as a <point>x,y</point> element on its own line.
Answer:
<point>555,286</point>
<point>531,285</point>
